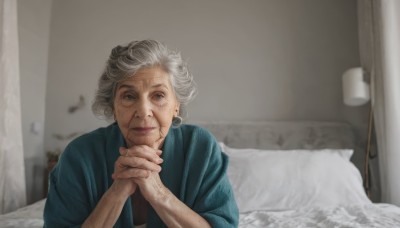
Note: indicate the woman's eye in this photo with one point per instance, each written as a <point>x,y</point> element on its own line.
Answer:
<point>128,97</point>
<point>159,96</point>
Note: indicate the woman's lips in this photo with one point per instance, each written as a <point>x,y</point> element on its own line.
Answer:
<point>143,130</point>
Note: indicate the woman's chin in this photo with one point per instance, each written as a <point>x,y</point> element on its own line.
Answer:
<point>148,141</point>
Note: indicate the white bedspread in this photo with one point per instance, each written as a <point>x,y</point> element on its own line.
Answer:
<point>366,216</point>
<point>372,215</point>
<point>30,216</point>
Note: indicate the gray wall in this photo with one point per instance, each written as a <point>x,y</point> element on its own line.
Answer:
<point>34,29</point>
<point>252,60</point>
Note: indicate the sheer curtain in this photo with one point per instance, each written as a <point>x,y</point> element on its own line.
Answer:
<point>387,93</point>
<point>12,176</point>
<point>382,20</point>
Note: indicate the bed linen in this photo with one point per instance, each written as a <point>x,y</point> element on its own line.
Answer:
<point>356,216</point>
<point>277,180</point>
<point>30,216</point>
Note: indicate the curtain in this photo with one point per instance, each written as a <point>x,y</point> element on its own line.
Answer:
<point>387,90</point>
<point>12,172</point>
<point>380,54</point>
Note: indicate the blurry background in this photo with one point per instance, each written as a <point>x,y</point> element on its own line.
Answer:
<point>252,60</point>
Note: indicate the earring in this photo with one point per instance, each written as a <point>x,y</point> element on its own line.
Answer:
<point>176,121</point>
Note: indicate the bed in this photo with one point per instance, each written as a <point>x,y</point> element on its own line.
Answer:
<point>298,174</point>
<point>284,174</point>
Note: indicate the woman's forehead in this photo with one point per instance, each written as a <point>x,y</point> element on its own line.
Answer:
<point>148,78</point>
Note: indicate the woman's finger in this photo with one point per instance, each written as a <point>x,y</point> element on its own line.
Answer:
<point>137,162</point>
<point>142,152</point>
<point>131,173</point>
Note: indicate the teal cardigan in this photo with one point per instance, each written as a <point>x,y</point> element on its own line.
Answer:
<point>194,170</point>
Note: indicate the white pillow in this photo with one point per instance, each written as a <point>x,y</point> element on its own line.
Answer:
<point>291,179</point>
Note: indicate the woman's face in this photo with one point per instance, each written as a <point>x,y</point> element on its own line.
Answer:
<point>144,106</point>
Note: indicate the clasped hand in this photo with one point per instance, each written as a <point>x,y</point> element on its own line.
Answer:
<point>138,166</point>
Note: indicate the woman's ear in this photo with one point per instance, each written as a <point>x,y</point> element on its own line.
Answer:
<point>176,113</point>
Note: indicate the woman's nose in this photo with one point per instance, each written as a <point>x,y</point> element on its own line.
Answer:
<point>143,109</point>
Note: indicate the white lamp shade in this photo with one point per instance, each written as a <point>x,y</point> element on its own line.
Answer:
<point>355,90</point>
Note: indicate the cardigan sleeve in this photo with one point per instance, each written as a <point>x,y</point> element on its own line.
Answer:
<point>81,177</point>
<point>67,203</point>
<point>218,196</point>
<point>215,200</point>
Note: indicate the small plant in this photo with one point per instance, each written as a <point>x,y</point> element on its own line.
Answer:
<point>53,155</point>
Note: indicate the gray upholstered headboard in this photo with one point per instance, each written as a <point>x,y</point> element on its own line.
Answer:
<point>286,135</point>
<point>282,135</point>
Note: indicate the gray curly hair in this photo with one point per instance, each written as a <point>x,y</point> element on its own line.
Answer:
<point>125,61</point>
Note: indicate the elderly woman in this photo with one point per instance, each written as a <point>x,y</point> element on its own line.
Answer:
<point>146,169</point>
